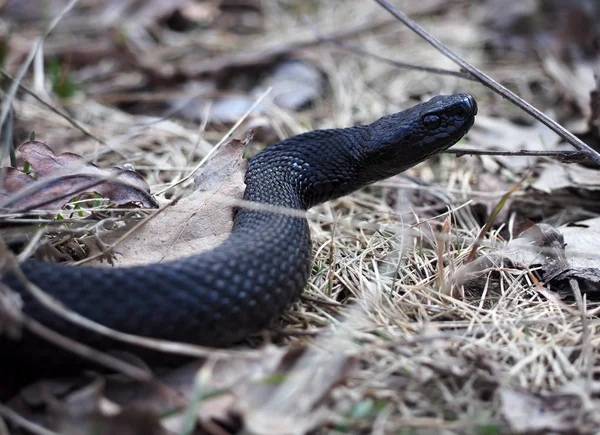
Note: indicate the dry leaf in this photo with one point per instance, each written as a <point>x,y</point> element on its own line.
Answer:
<point>561,254</point>
<point>581,252</point>
<point>220,385</point>
<point>64,177</point>
<point>295,84</point>
<point>81,413</point>
<point>566,192</point>
<point>530,413</point>
<point>563,179</point>
<point>500,134</point>
<point>273,390</point>
<point>293,400</point>
<point>195,223</point>
<point>540,245</point>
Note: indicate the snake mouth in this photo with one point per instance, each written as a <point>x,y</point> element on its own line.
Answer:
<point>469,104</point>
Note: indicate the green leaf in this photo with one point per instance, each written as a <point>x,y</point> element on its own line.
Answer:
<point>4,47</point>
<point>62,83</point>
<point>488,429</point>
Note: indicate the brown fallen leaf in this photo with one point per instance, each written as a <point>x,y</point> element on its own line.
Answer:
<point>270,391</point>
<point>81,412</point>
<point>492,133</point>
<point>581,254</point>
<point>218,383</point>
<point>294,398</point>
<point>564,192</point>
<point>558,255</point>
<point>64,177</point>
<point>195,223</point>
<point>544,413</point>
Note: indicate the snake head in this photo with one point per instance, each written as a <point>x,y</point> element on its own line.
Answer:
<point>324,164</point>
<point>406,138</point>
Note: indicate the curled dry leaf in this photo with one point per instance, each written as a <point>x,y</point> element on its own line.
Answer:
<point>560,254</point>
<point>569,192</point>
<point>66,176</point>
<point>550,413</point>
<point>195,223</point>
<point>581,252</point>
<point>294,398</point>
<point>272,390</point>
<point>218,383</point>
<point>81,412</point>
<point>500,134</point>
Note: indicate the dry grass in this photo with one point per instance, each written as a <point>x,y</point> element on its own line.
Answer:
<point>437,353</point>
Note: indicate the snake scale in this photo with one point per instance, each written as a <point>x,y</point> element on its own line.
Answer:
<point>220,297</point>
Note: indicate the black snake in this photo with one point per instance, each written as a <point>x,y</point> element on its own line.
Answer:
<point>219,297</point>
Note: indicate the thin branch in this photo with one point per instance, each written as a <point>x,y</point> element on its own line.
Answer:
<point>227,135</point>
<point>23,70</point>
<point>586,358</point>
<point>68,118</point>
<point>562,156</point>
<point>398,64</point>
<point>490,83</point>
<point>23,422</point>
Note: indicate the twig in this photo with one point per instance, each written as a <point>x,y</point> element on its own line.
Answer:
<point>493,216</point>
<point>23,70</point>
<point>227,135</point>
<point>441,248</point>
<point>562,156</point>
<point>396,63</point>
<point>587,360</point>
<point>219,64</point>
<point>68,118</point>
<point>21,421</point>
<point>490,83</point>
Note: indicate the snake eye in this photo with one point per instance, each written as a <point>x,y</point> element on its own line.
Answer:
<point>459,112</point>
<point>431,122</point>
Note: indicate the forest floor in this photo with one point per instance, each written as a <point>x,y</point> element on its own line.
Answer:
<point>459,297</point>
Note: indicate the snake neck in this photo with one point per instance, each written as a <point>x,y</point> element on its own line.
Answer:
<point>308,169</point>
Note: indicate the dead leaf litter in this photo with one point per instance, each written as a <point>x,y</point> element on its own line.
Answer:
<point>399,331</point>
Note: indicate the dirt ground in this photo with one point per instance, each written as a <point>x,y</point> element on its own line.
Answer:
<point>460,297</point>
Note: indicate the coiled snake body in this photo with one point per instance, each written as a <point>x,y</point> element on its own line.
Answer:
<point>221,296</point>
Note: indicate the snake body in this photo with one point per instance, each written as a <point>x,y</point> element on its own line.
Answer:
<point>219,297</point>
